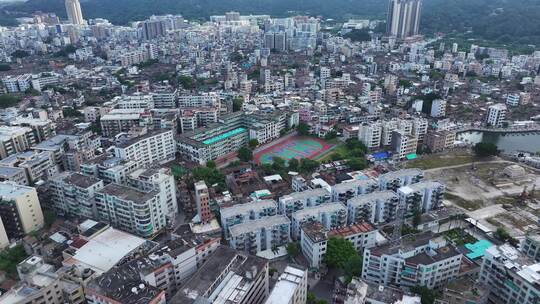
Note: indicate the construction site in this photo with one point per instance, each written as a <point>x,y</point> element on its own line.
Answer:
<point>494,195</point>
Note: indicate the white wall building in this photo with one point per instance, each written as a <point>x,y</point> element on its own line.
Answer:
<point>331,215</point>
<point>511,276</point>
<point>244,213</point>
<point>154,147</point>
<point>295,201</point>
<point>291,287</point>
<point>346,190</point>
<point>496,115</point>
<point>267,233</point>
<point>376,207</point>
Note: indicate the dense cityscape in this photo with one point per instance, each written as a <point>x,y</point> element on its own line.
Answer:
<point>257,159</point>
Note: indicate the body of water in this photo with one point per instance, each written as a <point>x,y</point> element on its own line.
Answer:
<point>507,142</point>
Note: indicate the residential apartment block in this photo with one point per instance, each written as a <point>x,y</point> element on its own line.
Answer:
<point>332,215</point>
<point>244,213</point>
<point>417,260</point>
<point>295,201</point>
<point>510,276</point>
<point>376,207</point>
<point>267,233</point>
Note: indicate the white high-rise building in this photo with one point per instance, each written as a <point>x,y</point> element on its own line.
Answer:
<point>403,19</point>
<point>74,12</point>
<point>496,115</point>
<point>370,134</point>
<point>438,108</point>
<point>20,210</point>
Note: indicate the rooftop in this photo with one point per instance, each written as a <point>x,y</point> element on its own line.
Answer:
<point>135,140</point>
<point>330,207</point>
<point>127,193</point>
<point>351,230</point>
<point>55,142</point>
<point>406,243</point>
<point>247,207</point>
<point>345,186</point>
<point>420,186</point>
<point>286,285</point>
<point>11,190</point>
<point>370,197</point>
<point>237,271</point>
<point>266,222</point>
<point>306,194</point>
<point>401,173</point>
<point>7,172</point>
<point>105,250</point>
<point>77,179</point>
<point>315,231</point>
<point>223,136</point>
<point>426,258</point>
<point>124,284</point>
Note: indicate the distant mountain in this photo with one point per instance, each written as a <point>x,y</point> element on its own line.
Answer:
<point>123,11</point>
<point>502,21</point>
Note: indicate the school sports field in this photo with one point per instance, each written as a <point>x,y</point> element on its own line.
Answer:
<point>293,147</point>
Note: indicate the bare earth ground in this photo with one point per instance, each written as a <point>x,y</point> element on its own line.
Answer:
<point>472,188</point>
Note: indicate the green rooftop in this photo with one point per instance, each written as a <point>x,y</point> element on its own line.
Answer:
<point>477,249</point>
<point>223,136</point>
<point>411,156</point>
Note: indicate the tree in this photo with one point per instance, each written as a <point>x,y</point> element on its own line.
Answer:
<point>96,127</point>
<point>303,129</point>
<point>294,164</point>
<point>428,100</point>
<point>502,234</point>
<point>311,298</point>
<point>308,165</point>
<point>70,49</point>
<point>245,154</point>
<point>358,35</point>
<point>357,163</point>
<point>330,135</point>
<point>71,112</point>
<point>238,102</point>
<point>405,83</point>
<point>211,164</point>
<point>210,176</point>
<point>5,67</point>
<point>7,101</point>
<point>354,144</point>
<point>187,82</point>
<point>253,143</point>
<point>339,252</point>
<point>336,156</point>
<point>147,63</point>
<point>417,215</point>
<point>293,249</point>
<point>10,257</point>
<point>427,295</point>
<point>485,149</point>
<point>32,91</point>
<point>278,164</point>
<point>20,54</point>
<point>353,267</point>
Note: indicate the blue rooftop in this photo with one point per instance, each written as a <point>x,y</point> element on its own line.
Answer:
<point>223,136</point>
